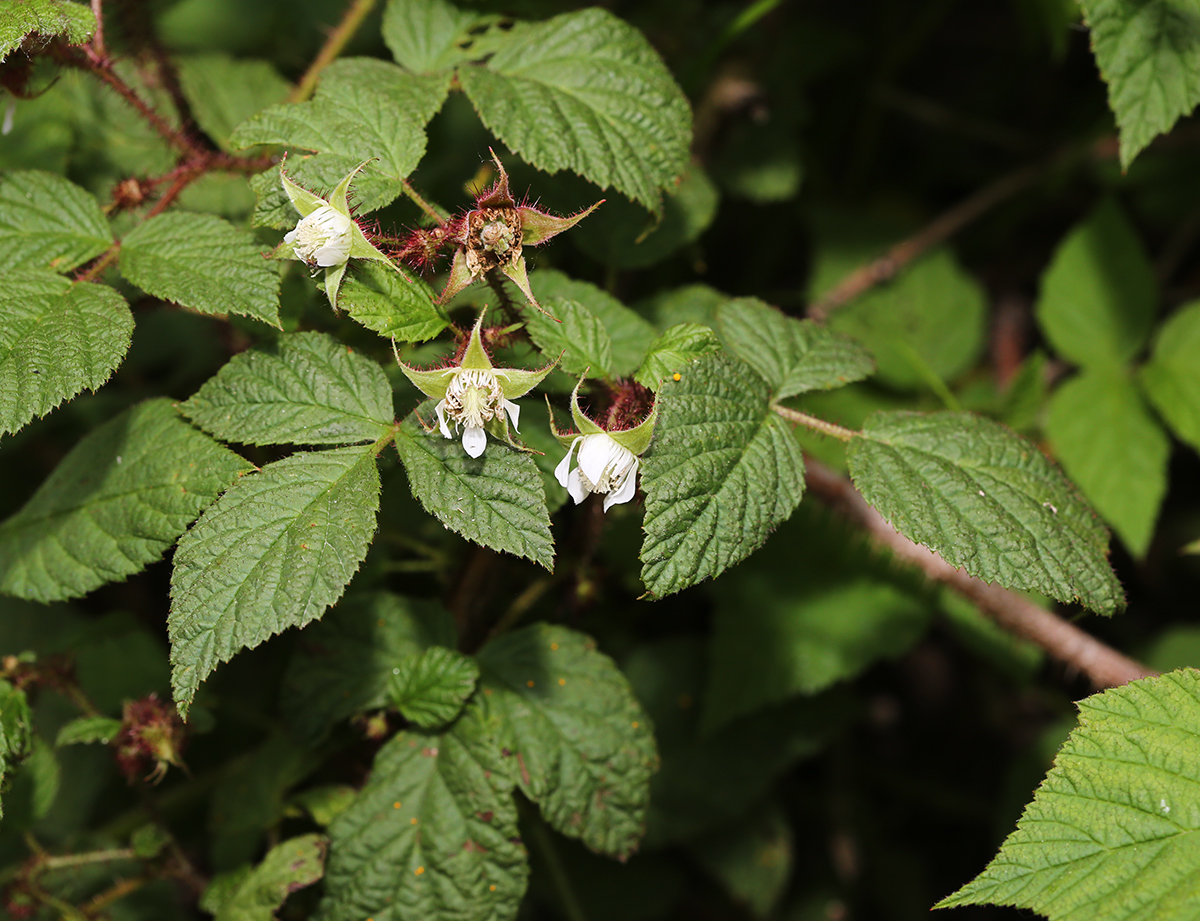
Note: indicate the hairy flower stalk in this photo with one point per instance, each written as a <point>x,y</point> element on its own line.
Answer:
<point>326,236</point>
<point>490,237</point>
<point>607,462</point>
<point>476,396</point>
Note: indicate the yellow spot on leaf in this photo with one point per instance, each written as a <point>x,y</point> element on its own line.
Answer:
<point>676,376</point>
<point>529,683</point>
<point>636,724</point>
<point>413,820</point>
<point>554,645</point>
<point>419,871</point>
<point>397,804</point>
<point>562,681</point>
<point>492,887</point>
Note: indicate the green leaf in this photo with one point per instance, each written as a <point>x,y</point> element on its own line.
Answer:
<point>1111,834</point>
<point>202,262</point>
<point>433,834</point>
<point>431,687</point>
<point>1102,433</point>
<point>1148,52</point>
<point>426,36</point>
<point>306,388</point>
<point>16,728</point>
<point>391,302</point>
<point>47,222</point>
<point>793,356</point>
<point>292,865</point>
<point>57,339</point>
<point>223,92</point>
<point>324,803</point>
<point>274,552</point>
<point>344,664</point>
<point>624,235</point>
<point>46,18</point>
<point>584,91</point>
<point>627,331</point>
<point>580,337</point>
<point>751,859</point>
<point>1171,378</point>
<point>722,472</point>
<point>88,729</point>
<point>582,745</point>
<point>1098,294</point>
<point>113,505</point>
<point>924,327</point>
<point>986,500</point>
<point>364,109</point>
<point>495,500</point>
<point>673,351</point>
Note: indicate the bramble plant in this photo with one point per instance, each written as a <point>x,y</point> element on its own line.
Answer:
<point>234,402</point>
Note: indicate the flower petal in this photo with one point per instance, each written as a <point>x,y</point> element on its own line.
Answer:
<point>596,456</point>
<point>574,486</point>
<point>474,440</point>
<point>514,413</point>
<point>560,472</point>
<point>440,409</point>
<point>335,252</point>
<point>625,491</point>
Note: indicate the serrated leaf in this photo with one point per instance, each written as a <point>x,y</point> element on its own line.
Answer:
<point>274,552</point>
<point>343,664</point>
<point>306,388</point>
<point>255,896</point>
<point>1111,832</point>
<point>722,472</point>
<point>364,109</point>
<point>584,91</point>
<point>1098,295</point>
<point>1148,52</point>
<point>202,262</point>
<point>793,356</point>
<point>673,351</point>
<point>580,337</point>
<point>426,36</point>
<point>495,500</point>
<point>47,18</point>
<point>627,330</point>
<point>1102,433</point>
<point>16,728</point>
<point>986,500</point>
<point>88,729</point>
<point>113,505</point>
<point>47,222</point>
<point>57,339</point>
<point>391,302</point>
<point>223,92</point>
<point>431,687</point>
<point>924,327</point>
<point>583,746</point>
<point>433,834</point>
<point>1171,378</point>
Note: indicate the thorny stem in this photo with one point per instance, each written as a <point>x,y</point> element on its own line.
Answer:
<point>416,199</point>
<point>947,224</point>
<point>817,425</point>
<point>1103,665</point>
<point>334,45</point>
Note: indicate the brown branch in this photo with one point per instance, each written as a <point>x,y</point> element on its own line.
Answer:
<point>1103,665</point>
<point>334,45</point>
<point>947,224</point>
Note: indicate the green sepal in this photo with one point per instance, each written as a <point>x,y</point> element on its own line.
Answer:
<point>516,382</point>
<point>302,200</point>
<point>333,281</point>
<point>563,438</point>
<point>515,272</point>
<point>433,382</point>
<point>475,358</point>
<point>537,226</point>
<point>637,439</point>
<point>585,425</point>
<point>460,276</point>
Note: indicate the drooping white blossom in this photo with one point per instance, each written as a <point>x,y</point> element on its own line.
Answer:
<point>603,466</point>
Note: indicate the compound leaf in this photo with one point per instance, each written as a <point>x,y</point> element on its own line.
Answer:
<point>47,222</point>
<point>1171,378</point>
<point>674,350</point>
<point>793,356</point>
<point>584,91</point>
<point>627,331</point>
<point>202,262</point>
<point>580,337</point>
<point>255,896</point>
<point>433,834</point>
<point>987,501</point>
<point>1111,834</point>
<point>57,339</point>
<point>274,552</point>
<point>1148,52</point>
<point>722,472</point>
<point>583,745</point>
<point>426,36</point>
<point>46,18</point>
<point>113,505</point>
<point>224,92</point>
<point>431,687</point>
<point>391,302</point>
<point>306,388</point>
<point>496,500</point>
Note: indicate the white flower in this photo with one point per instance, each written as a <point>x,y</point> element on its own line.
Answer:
<point>473,399</point>
<point>603,467</point>
<point>322,238</point>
